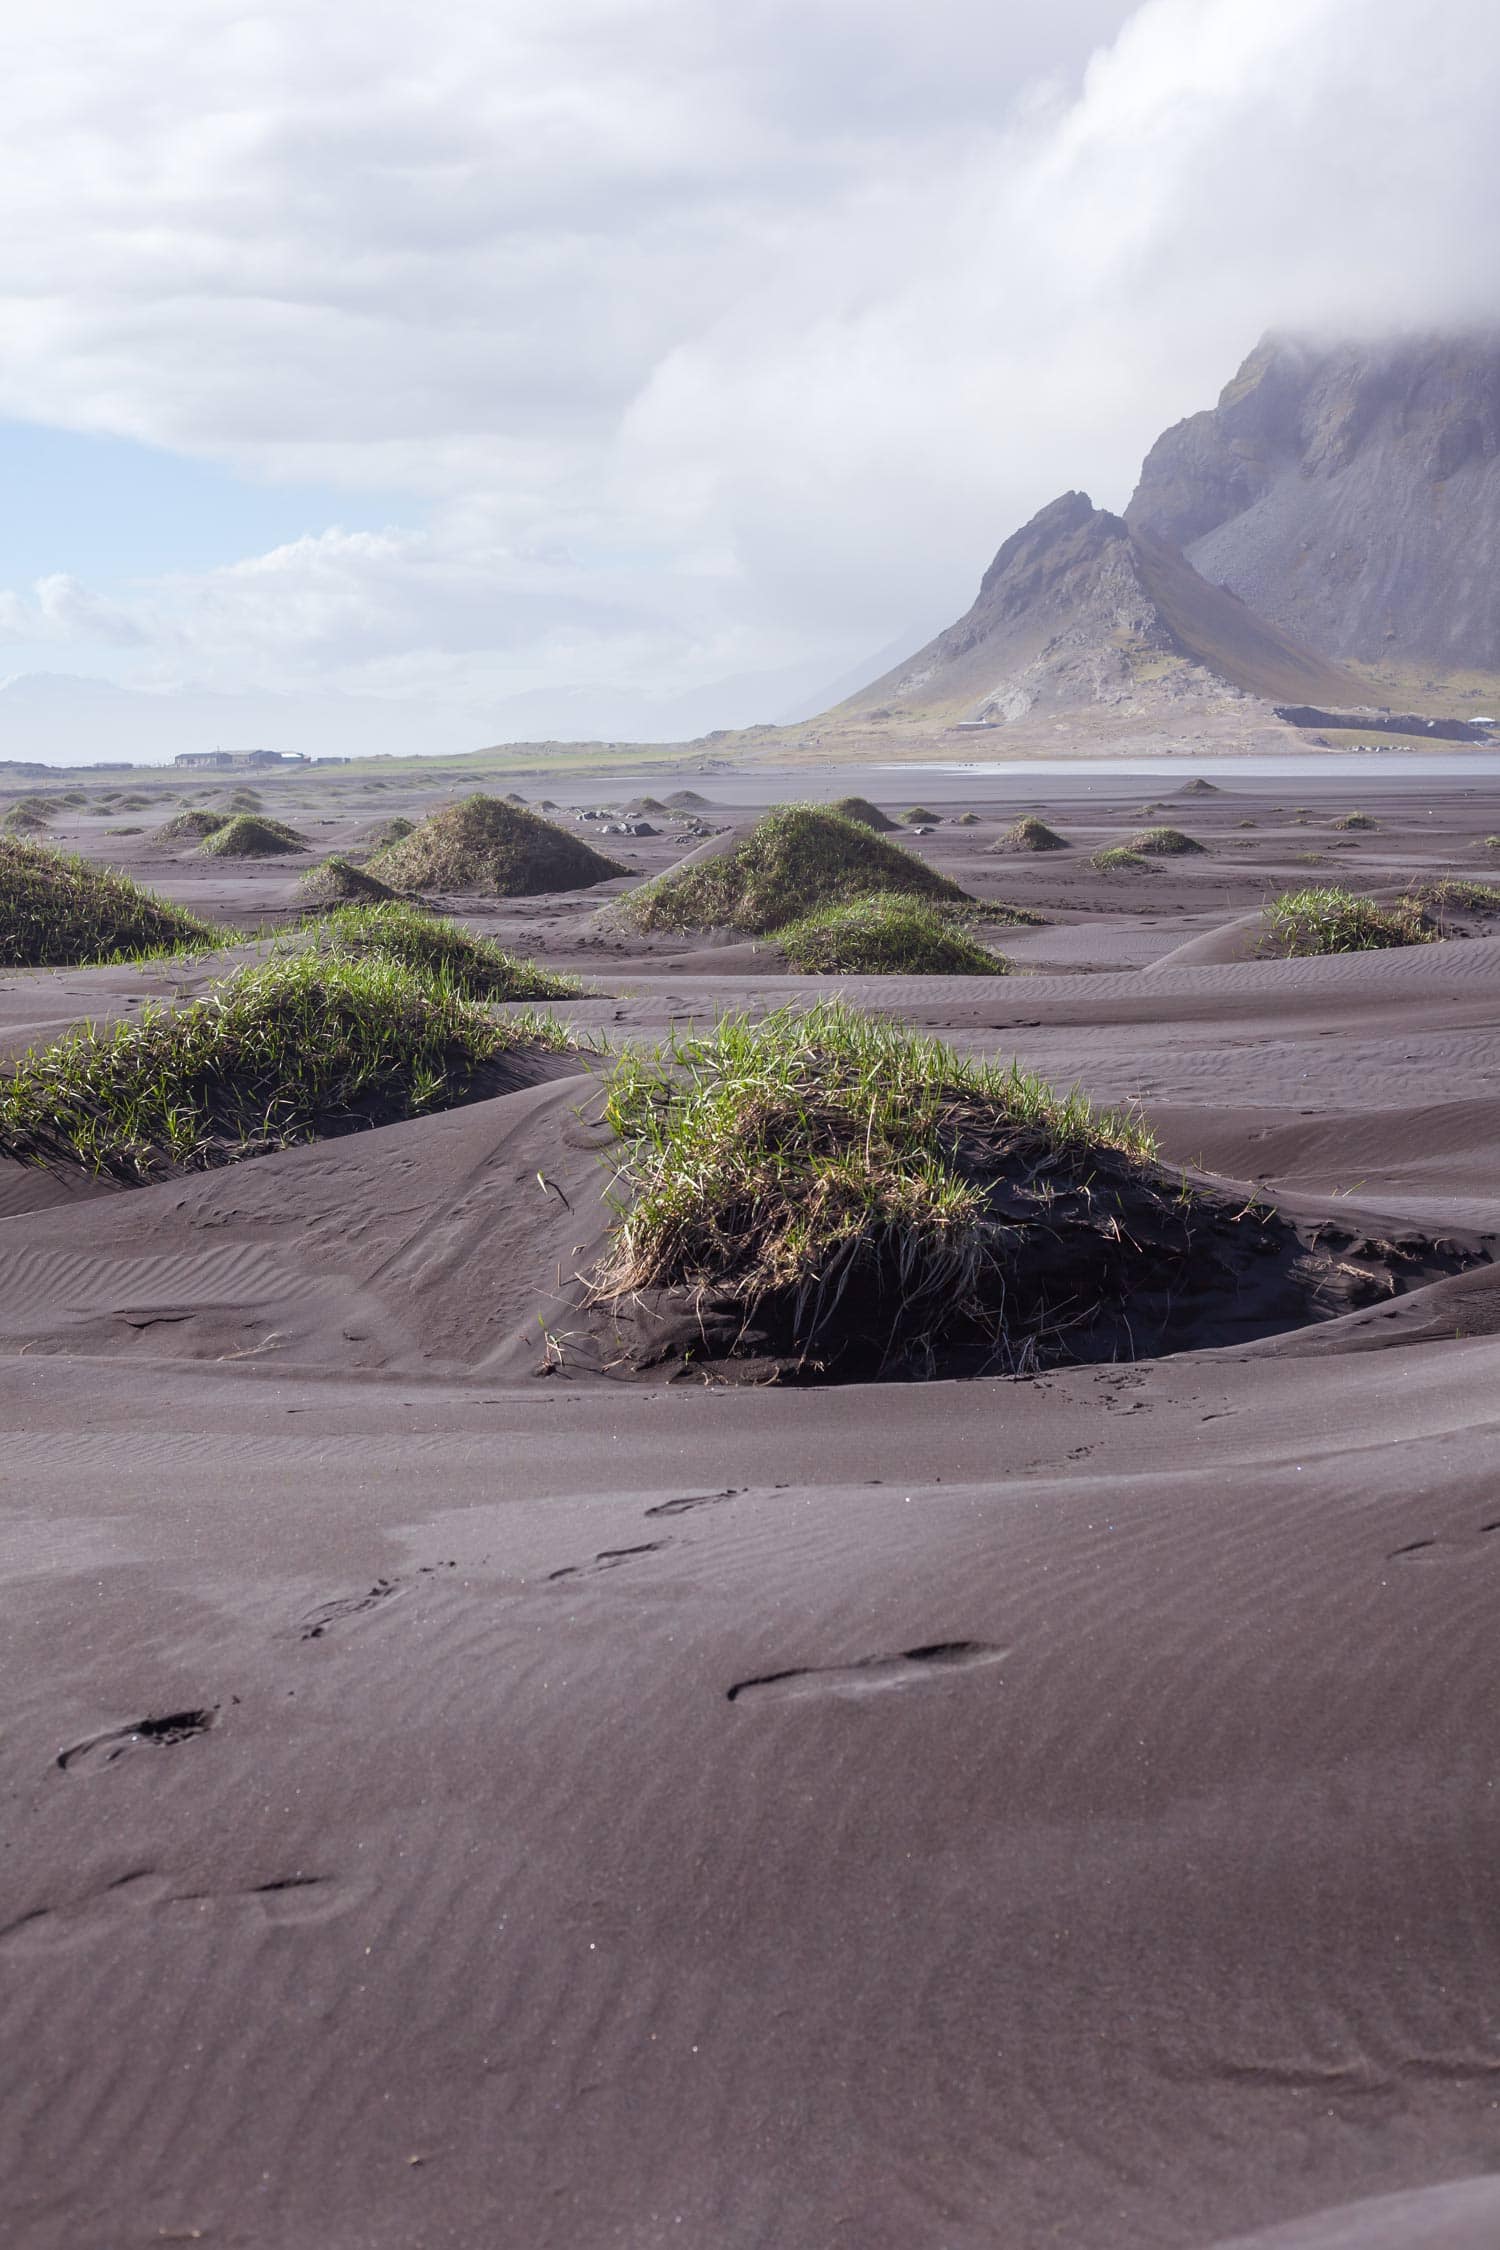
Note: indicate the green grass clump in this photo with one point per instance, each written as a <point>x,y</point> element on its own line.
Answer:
<point>19,822</point>
<point>1028,834</point>
<point>1162,843</point>
<point>1331,920</point>
<point>868,816</point>
<point>250,836</point>
<point>244,800</point>
<point>1355,820</point>
<point>920,816</point>
<point>1455,894</point>
<point>195,825</point>
<point>486,845</point>
<point>1116,859</point>
<point>293,1050</point>
<point>1489,843</point>
<point>388,832</point>
<point>336,881</point>
<point>795,861</point>
<point>887,934</point>
<point>967,820</point>
<point>56,911</point>
<point>474,967</point>
<point>839,1184</point>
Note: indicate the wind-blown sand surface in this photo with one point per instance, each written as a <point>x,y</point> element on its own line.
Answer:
<point>452,1803</point>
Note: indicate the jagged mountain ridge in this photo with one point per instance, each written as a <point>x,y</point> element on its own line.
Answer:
<point>1349,493</point>
<point>1077,608</point>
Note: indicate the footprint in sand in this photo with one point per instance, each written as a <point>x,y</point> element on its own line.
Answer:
<point>689,1500</point>
<point>872,1675</point>
<point>608,1558</point>
<point>328,1614</point>
<point>141,1734</point>
<point>286,1901</point>
<point>1434,1548</point>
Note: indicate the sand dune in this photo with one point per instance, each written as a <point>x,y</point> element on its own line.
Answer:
<point>455,1803</point>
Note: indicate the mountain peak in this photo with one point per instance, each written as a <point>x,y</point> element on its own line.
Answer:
<point>1078,609</point>
<point>1349,492</point>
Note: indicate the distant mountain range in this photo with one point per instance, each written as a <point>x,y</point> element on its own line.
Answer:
<point>1350,494</point>
<point>1340,505</point>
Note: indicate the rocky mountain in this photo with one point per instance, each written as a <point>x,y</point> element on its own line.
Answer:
<point>1080,608</point>
<point>1349,493</point>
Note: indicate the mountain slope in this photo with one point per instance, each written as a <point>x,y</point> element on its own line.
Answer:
<point>1076,608</point>
<point>1349,493</point>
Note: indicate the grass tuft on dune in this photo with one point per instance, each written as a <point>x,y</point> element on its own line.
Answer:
<point>1331,920</point>
<point>385,832</point>
<point>1163,843</point>
<point>886,934</point>
<point>1355,820</point>
<point>1119,859</point>
<point>1028,834</point>
<point>868,815</point>
<point>1454,894</point>
<point>474,967</point>
<point>797,860</point>
<point>296,1049</point>
<point>336,881</point>
<point>849,1192</point>
<point>248,836</point>
<point>486,845</point>
<point>196,824</point>
<point>57,911</point>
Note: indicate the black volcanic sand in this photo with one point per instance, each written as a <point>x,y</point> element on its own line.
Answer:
<point>451,1803</point>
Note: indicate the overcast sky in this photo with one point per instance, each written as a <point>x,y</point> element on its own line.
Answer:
<point>509,361</point>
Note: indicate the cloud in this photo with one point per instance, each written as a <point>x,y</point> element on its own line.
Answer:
<point>701,337</point>
<point>60,609</point>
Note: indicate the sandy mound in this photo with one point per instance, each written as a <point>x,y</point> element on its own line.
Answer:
<point>1029,834</point>
<point>248,836</point>
<point>383,832</point>
<point>474,967</point>
<point>56,910</point>
<point>486,845</point>
<point>884,935</point>
<point>1331,920</point>
<point>337,882</point>
<point>797,860</point>
<point>193,826</point>
<point>296,1049</point>
<point>688,800</point>
<point>824,1197</point>
<point>868,815</point>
